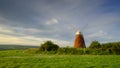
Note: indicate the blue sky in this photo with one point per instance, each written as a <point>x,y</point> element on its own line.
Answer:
<point>31,22</point>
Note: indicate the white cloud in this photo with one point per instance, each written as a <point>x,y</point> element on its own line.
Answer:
<point>5,30</point>
<point>10,29</point>
<point>27,30</point>
<point>42,40</point>
<point>29,40</point>
<point>20,30</point>
<point>6,39</point>
<point>52,21</point>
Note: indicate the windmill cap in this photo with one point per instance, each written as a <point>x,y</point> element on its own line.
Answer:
<point>78,32</point>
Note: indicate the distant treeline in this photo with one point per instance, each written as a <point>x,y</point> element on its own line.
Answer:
<point>15,47</point>
<point>95,48</point>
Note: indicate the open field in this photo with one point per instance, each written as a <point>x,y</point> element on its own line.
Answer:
<point>21,59</point>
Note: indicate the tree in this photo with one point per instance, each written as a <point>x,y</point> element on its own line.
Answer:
<point>95,45</point>
<point>48,46</point>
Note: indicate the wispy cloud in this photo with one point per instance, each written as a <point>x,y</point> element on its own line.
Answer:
<point>52,21</point>
<point>99,34</point>
<point>5,30</point>
<point>29,40</point>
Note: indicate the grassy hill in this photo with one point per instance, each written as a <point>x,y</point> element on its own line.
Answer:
<point>15,47</point>
<point>21,59</point>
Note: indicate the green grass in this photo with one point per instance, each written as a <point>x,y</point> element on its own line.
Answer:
<point>21,59</point>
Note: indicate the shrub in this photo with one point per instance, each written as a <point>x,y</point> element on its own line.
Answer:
<point>95,45</point>
<point>48,46</point>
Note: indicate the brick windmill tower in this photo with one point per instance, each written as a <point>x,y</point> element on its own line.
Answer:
<point>79,40</point>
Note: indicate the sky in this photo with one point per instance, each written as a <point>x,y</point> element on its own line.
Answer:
<point>32,22</point>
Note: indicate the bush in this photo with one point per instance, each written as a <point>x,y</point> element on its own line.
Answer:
<point>95,45</point>
<point>48,46</point>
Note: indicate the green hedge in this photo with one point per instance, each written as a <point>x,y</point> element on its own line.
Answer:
<point>77,51</point>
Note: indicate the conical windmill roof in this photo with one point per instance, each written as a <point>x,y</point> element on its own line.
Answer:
<point>78,32</point>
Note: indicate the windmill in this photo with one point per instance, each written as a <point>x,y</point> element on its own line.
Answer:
<point>79,41</point>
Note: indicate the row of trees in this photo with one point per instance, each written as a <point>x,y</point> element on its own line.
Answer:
<point>111,45</point>
<point>95,48</point>
<point>111,48</point>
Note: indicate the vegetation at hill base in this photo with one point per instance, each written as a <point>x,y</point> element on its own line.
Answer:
<point>95,48</point>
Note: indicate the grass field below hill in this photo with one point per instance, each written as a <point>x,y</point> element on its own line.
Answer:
<point>21,59</point>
